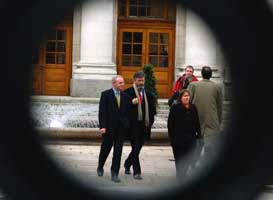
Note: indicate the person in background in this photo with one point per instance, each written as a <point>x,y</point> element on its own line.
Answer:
<point>183,130</point>
<point>113,122</point>
<point>207,97</point>
<point>182,83</point>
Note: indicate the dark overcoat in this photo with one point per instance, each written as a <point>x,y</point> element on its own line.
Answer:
<point>110,116</point>
<point>183,124</point>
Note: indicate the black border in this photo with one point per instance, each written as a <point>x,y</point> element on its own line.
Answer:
<point>244,29</point>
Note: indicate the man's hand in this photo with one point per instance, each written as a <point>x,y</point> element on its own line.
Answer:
<point>103,131</point>
<point>135,101</point>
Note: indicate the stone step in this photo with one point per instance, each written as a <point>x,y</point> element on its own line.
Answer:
<point>83,112</point>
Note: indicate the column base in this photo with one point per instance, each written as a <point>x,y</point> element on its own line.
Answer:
<point>90,81</point>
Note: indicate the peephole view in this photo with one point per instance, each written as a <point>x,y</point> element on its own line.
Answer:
<point>130,94</point>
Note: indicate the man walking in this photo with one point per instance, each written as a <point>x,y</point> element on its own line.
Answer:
<point>113,122</point>
<point>207,97</point>
<point>141,117</point>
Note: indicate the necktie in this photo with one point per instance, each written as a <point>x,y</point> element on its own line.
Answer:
<point>118,99</point>
<point>140,97</point>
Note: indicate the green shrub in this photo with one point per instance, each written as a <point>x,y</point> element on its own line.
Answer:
<point>150,80</point>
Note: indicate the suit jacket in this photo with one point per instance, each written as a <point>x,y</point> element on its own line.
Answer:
<point>133,113</point>
<point>207,97</point>
<point>110,116</point>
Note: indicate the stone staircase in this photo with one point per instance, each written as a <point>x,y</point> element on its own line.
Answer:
<point>163,112</point>
<point>78,117</point>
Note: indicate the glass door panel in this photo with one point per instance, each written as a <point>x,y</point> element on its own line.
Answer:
<point>131,49</point>
<point>147,46</point>
<point>56,47</point>
<point>159,49</point>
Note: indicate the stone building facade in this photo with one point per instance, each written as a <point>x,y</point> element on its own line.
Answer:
<point>96,47</point>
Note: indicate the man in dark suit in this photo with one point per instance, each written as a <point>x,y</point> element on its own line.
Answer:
<point>141,117</point>
<point>113,122</point>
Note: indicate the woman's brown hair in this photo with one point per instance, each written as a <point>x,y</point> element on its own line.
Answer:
<point>181,93</point>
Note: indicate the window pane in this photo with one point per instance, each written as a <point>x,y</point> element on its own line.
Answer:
<point>142,12</point>
<point>153,50</point>
<point>153,37</point>
<point>133,2</point>
<point>153,60</point>
<point>137,49</point>
<point>157,8</point>
<point>126,60</point>
<point>127,37</point>
<point>164,50</point>
<point>61,59</point>
<point>136,61</point>
<point>149,11</point>
<point>142,2</point>
<point>61,47</point>
<point>50,58</point>
<point>50,46</point>
<point>133,11</point>
<point>163,61</point>
<point>148,2</point>
<point>137,37</point>
<point>61,35</point>
<point>164,38</point>
<point>122,8</point>
<point>172,11</point>
<point>126,49</point>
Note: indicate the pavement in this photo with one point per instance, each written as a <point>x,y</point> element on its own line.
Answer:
<point>158,169</point>
<point>74,144</point>
<point>79,159</point>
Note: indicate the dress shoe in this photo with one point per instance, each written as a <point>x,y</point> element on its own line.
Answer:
<point>127,171</point>
<point>100,171</point>
<point>138,177</point>
<point>115,178</point>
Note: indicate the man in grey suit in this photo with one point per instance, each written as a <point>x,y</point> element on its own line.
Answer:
<point>207,97</point>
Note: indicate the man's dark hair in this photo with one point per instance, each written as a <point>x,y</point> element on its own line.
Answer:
<point>206,72</point>
<point>139,74</point>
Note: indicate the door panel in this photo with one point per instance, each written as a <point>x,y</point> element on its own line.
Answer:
<point>131,53</point>
<point>137,47</point>
<point>52,74</point>
<point>160,54</point>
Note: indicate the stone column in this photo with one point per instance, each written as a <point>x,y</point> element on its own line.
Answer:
<point>225,73</point>
<point>94,49</point>
<point>201,46</point>
<point>180,40</point>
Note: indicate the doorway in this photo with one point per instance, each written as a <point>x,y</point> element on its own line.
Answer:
<point>52,66</point>
<point>147,46</point>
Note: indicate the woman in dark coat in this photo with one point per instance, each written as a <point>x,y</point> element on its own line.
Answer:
<point>184,130</point>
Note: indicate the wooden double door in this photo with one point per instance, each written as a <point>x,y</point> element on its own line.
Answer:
<point>52,65</point>
<point>147,45</point>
